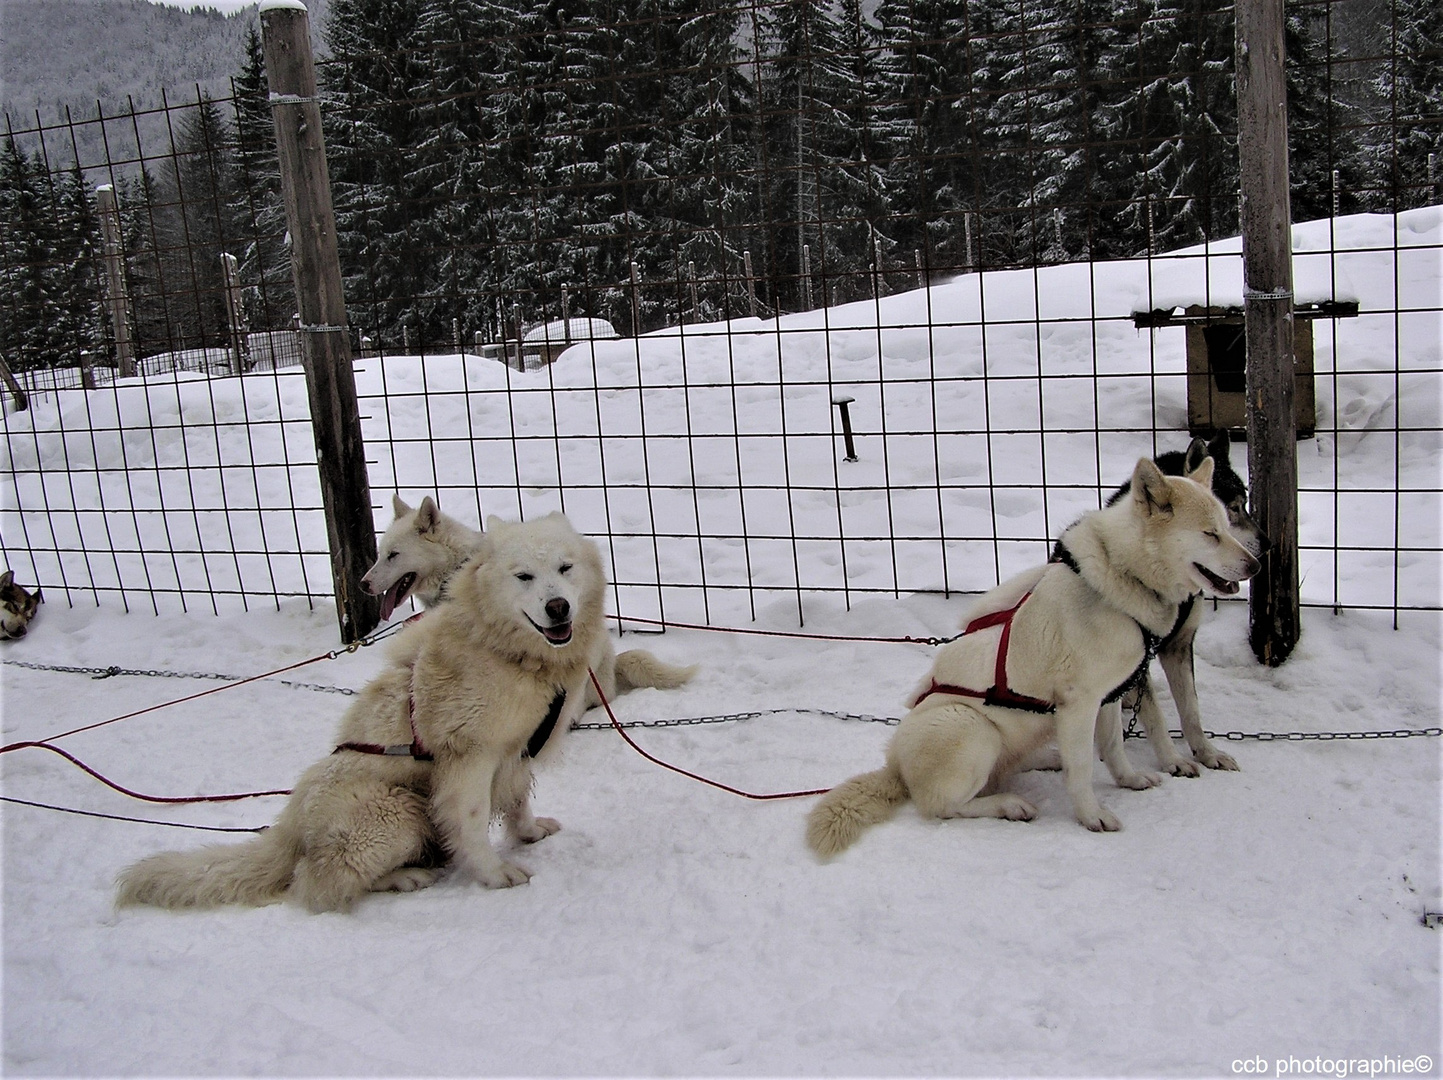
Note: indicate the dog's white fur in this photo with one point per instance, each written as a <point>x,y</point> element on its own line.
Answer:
<point>422,548</point>
<point>1076,639</point>
<point>417,554</point>
<point>524,617</point>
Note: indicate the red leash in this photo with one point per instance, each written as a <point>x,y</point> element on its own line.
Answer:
<point>691,775</point>
<point>135,794</point>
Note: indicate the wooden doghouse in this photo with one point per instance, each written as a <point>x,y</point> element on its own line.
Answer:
<point>1217,363</point>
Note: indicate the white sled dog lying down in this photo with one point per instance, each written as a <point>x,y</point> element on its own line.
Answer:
<point>434,749</point>
<point>422,548</point>
<point>1058,641</point>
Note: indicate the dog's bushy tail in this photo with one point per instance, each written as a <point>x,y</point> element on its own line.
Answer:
<point>257,872</point>
<point>835,823</point>
<point>637,668</point>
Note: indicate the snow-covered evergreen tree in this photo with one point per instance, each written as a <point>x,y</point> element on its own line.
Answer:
<point>926,117</point>
<point>1413,87</point>
<point>265,265</point>
<point>371,111</point>
<point>816,173</point>
<point>26,259</point>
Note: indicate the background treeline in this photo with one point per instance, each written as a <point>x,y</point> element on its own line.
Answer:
<point>488,154</point>
<point>209,185</point>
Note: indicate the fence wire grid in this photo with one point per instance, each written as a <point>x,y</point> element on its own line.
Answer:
<point>778,301</point>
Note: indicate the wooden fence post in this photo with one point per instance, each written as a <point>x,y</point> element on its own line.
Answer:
<point>235,311</point>
<point>117,298</point>
<point>1274,623</point>
<point>22,401</point>
<point>325,337</point>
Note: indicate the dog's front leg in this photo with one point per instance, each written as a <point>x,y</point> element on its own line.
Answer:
<point>1177,665</point>
<point>514,794</point>
<point>1075,724</point>
<point>1109,745</point>
<point>461,799</point>
<point>1150,713</point>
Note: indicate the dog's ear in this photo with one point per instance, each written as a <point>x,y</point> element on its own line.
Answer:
<point>39,595</point>
<point>1149,488</point>
<point>1218,448</point>
<point>493,522</point>
<point>7,579</point>
<point>427,516</point>
<point>1197,450</point>
<point>1203,474</point>
<point>398,505</point>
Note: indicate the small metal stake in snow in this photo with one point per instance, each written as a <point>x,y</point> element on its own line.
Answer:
<point>842,403</point>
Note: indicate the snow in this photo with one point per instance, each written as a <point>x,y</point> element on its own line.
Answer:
<point>672,928</point>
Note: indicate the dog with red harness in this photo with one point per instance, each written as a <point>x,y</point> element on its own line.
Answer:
<point>1052,645</point>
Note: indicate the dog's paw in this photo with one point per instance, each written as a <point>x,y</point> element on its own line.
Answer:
<point>1214,759</point>
<point>1103,820</point>
<point>503,876</point>
<point>1183,767</point>
<point>539,829</point>
<point>1140,781</point>
<point>1015,808</point>
<point>406,879</point>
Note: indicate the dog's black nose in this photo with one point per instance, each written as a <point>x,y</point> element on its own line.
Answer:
<point>558,610</point>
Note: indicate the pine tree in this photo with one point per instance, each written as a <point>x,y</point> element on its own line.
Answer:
<point>715,194</point>
<point>74,270</point>
<point>927,121</point>
<point>265,267</point>
<point>26,257</point>
<point>816,190</point>
<point>1413,86</point>
<point>372,130</point>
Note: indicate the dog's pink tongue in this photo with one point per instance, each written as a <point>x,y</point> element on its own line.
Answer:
<point>388,601</point>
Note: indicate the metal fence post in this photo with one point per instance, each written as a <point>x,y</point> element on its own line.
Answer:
<point>1274,622</point>
<point>325,338</point>
<point>117,298</point>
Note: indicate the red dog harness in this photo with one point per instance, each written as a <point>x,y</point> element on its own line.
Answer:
<point>999,693</point>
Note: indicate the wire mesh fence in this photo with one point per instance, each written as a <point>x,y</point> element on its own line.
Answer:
<point>777,300</point>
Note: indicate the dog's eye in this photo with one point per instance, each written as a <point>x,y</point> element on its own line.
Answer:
<point>1213,536</point>
<point>525,577</point>
<point>392,555</point>
<point>565,568</point>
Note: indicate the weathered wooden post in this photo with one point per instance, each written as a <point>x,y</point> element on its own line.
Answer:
<point>117,299</point>
<point>325,337</point>
<point>234,310</point>
<point>1268,312</point>
<point>22,401</point>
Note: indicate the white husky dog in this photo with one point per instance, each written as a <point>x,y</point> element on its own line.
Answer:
<point>1058,641</point>
<point>422,548</point>
<point>435,748</point>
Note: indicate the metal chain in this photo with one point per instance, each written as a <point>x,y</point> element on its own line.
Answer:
<point>727,718</point>
<point>1131,731</point>
<point>97,673</point>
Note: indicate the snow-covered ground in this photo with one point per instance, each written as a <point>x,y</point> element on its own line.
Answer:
<point>1272,913</point>
<point>674,929</point>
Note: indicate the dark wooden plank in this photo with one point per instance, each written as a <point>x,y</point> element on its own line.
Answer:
<point>325,338</point>
<point>1268,310</point>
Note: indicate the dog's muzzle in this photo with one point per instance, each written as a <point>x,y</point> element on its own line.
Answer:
<point>558,631</point>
